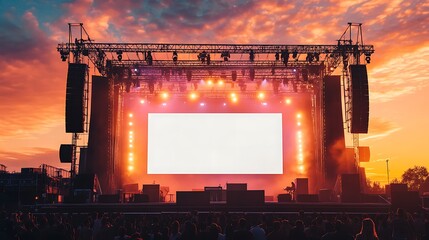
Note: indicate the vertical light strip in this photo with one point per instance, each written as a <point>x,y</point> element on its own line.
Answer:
<point>300,144</point>
<point>130,155</point>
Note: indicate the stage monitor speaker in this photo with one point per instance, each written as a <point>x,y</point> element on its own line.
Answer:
<point>286,197</point>
<point>192,198</point>
<point>245,198</point>
<point>152,190</point>
<point>350,188</point>
<point>364,154</point>
<point>307,198</point>
<point>66,153</point>
<point>236,186</point>
<point>360,99</point>
<point>75,98</point>
<point>301,186</point>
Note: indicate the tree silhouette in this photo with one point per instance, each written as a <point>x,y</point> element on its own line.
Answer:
<point>415,177</point>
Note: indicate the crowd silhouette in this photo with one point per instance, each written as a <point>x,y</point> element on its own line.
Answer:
<point>214,226</point>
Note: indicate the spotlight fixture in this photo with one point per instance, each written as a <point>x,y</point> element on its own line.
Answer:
<point>208,58</point>
<point>175,56</point>
<point>149,58</point>
<point>252,74</point>
<point>285,56</point>
<point>64,55</point>
<point>225,55</point>
<point>310,57</point>
<point>119,53</point>
<point>234,76</point>
<point>295,54</point>
<point>202,56</point>
<point>368,57</point>
<point>316,56</point>
<point>251,55</point>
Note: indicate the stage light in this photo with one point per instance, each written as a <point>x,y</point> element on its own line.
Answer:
<point>251,55</point>
<point>299,123</point>
<point>130,146</point>
<point>288,101</point>
<point>220,82</point>
<point>224,104</point>
<point>175,57</point>
<point>193,96</point>
<point>202,104</point>
<point>301,168</point>
<point>285,56</point>
<point>164,104</point>
<point>119,53</point>
<point>295,54</point>
<point>130,115</point>
<point>130,168</point>
<point>225,55</point>
<point>210,82</point>
<point>164,95</point>
<point>142,101</point>
<point>233,97</point>
<point>264,104</point>
<point>298,115</point>
<point>130,123</point>
<point>149,58</point>
<point>131,141</point>
<point>131,132</point>
<point>261,96</point>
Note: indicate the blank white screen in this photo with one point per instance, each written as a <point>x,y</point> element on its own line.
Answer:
<point>215,143</point>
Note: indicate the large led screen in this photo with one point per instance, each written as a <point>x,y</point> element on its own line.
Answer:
<point>215,143</point>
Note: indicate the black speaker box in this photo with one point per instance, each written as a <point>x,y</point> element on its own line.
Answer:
<point>75,98</point>
<point>284,197</point>
<point>245,198</point>
<point>192,198</point>
<point>360,99</point>
<point>66,153</point>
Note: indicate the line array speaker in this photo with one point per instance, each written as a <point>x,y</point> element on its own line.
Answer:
<point>360,99</point>
<point>75,98</point>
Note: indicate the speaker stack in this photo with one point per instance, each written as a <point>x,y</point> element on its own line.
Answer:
<point>360,99</point>
<point>75,98</point>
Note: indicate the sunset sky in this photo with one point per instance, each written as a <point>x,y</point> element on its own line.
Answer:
<point>33,78</point>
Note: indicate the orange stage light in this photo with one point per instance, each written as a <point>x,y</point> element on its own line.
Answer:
<point>130,168</point>
<point>193,96</point>
<point>130,115</point>
<point>164,95</point>
<point>209,82</point>
<point>261,96</point>
<point>220,82</point>
<point>142,101</point>
<point>130,123</point>
<point>288,101</point>
<point>299,115</point>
